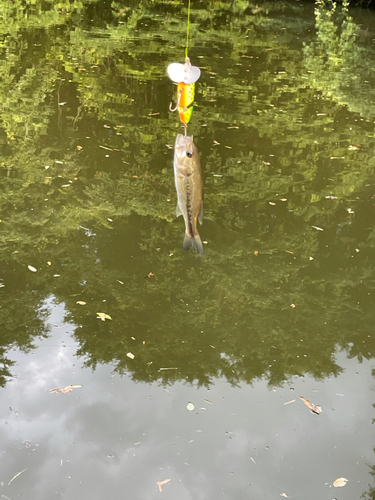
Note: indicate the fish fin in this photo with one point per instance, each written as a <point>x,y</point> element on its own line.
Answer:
<point>178,211</point>
<point>200,216</point>
<point>195,242</point>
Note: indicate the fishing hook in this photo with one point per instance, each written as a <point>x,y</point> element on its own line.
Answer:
<point>173,109</point>
<point>178,102</point>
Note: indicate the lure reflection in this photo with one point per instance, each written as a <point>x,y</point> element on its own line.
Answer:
<point>189,187</point>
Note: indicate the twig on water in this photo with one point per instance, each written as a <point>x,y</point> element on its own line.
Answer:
<point>16,476</point>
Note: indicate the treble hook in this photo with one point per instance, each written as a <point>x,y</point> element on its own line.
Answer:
<point>178,101</point>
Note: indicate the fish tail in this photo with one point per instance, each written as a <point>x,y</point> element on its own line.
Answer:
<point>193,241</point>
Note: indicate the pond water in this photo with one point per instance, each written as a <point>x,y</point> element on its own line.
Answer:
<point>188,368</point>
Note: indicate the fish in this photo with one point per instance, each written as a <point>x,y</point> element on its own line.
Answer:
<point>189,187</point>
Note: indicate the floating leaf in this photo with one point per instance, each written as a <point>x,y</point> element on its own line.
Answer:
<point>314,408</point>
<point>130,355</point>
<point>190,406</point>
<point>81,302</point>
<point>66,389</point>
<point>103,316</point>
<point>33,269</point>
<point>318,228</point>
<point>341,481</point>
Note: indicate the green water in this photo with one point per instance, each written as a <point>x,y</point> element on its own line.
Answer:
<point>280,305</point>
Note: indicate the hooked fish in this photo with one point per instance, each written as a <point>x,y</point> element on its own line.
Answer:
<point>189,187</point>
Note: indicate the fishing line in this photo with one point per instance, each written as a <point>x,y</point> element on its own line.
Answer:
<point>185,75</point>
<point>187,32</point>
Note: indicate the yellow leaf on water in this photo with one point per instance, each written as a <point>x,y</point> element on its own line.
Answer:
<point>103,316</point>
<point>130,355</point>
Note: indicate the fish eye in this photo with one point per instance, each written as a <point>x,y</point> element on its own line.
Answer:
<point>189,154</point>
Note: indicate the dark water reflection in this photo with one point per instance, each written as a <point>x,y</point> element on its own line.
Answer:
<point>282,298</point>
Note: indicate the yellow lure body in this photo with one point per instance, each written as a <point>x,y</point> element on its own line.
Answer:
<point>185,100</point>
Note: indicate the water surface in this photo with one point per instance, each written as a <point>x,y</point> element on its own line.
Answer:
<point>279,306</point>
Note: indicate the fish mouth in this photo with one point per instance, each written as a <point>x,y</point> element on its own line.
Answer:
<point>182,140</point>
<point>184,145</point>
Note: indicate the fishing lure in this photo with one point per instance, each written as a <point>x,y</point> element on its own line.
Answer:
<point>185,100</point>
<point>185,75</point>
